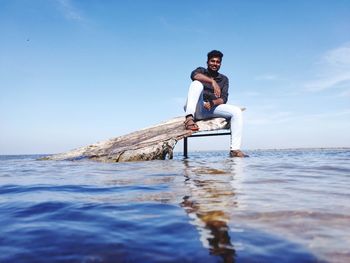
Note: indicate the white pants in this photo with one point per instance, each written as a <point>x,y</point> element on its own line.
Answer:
<point>195,106</point>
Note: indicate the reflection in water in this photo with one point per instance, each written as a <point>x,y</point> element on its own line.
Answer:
<point>208,205</point>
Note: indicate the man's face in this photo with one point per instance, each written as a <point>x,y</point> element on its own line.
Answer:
<point>214,64</point>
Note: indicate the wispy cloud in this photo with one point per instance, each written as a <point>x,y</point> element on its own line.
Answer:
<point>334,70</point>
<point>69,10</point>
<point>339,57</point>
<point>345,93</point>
<point>251,94</point>
<point>290,117</point>
<point>268,118</point>
<point>179,101</point>
<point>267,77</point>
<point>338,80</point>
<point>178,28</point>
<point>328,115</point>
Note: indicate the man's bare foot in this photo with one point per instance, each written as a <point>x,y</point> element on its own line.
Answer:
<point>190,124</point>
<point>238,153</point>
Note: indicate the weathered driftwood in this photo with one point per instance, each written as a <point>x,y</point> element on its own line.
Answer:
<point>156,142</point>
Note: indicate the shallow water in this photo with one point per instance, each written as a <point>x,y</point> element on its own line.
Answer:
<point>276,206</point>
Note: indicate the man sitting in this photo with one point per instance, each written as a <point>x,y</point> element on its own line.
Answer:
<point>207,97</point>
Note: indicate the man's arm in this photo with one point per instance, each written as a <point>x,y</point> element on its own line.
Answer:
<point>213,103</point>
<point>217,91</point>
<point>217,101</point>
<point>203,78</point>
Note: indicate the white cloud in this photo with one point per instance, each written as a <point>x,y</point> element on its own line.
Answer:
<point>345,93</point>
<point>338,80</point>
<point>267,77</point>
<point>268,117</point>
<point>179,101</point>
<point>327,116</point>
<point>289,117</point>
<point>251,94</point>
<point>69,11</point>
<point>339,57</point>
<point>176,28</point>
<point>334,71</point>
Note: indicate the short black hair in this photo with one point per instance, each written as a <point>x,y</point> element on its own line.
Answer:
<point>215,54</point>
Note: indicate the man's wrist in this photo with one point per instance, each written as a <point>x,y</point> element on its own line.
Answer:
<point>212,103</point>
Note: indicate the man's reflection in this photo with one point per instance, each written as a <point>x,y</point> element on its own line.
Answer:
<point>209,204</point>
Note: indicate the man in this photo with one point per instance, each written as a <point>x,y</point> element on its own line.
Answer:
<point>207,97</point>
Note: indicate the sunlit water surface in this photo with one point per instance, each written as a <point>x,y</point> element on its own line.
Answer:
<point>276,206</point>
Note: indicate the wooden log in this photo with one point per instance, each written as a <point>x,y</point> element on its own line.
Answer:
<point>153,143</point>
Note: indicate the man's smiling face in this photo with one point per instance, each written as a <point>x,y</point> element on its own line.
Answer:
<point>214,64</point>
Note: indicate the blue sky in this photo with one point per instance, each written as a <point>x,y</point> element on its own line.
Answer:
<point>76,72</point>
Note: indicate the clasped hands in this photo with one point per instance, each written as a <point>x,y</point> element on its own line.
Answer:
<point>217,93</point>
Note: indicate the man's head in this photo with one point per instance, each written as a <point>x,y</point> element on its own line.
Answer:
<point>214,60</point>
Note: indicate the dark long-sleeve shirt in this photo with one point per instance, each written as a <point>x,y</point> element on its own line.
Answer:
<point>208,92</point>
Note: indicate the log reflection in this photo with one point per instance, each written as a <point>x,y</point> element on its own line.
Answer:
<point>209,204</point>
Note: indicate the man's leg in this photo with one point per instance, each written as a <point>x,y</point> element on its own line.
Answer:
<point>194,98</point>
<point>233,113</point>
<point>193,104</point>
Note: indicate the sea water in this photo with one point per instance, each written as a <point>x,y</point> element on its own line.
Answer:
<point>275,206</point>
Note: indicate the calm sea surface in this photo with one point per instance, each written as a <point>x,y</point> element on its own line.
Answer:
<point>276,206</point>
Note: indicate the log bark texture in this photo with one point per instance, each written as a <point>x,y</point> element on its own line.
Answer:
<point>153,143</point>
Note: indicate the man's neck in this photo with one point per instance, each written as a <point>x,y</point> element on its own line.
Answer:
<point>213,73</point>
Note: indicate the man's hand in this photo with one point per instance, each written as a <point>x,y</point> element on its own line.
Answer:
<point>205,79</point>
<point>207,105</point>
<point>217,90</point>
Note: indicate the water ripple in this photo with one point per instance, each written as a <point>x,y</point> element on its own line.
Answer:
<point>276,206</point>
